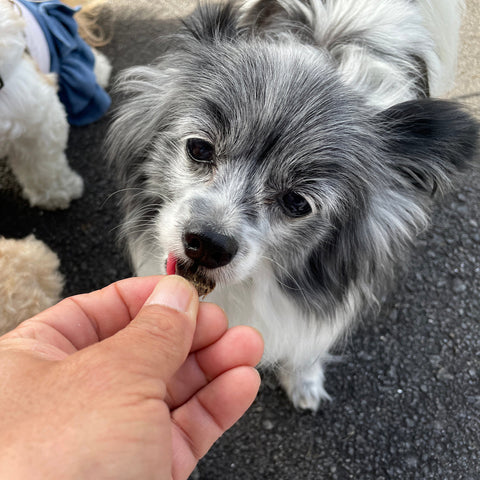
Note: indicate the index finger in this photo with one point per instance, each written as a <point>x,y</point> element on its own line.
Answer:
<point>112,308</point>
<point>83,320</point>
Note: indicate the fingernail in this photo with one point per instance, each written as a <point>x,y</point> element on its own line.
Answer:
<point>173,292</point>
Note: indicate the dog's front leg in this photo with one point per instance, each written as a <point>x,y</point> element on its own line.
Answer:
<point>304,386</point>
<point>46,179</point>
<point>37,153</point>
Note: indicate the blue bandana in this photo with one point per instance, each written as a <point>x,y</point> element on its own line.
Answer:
<point>72,60</point>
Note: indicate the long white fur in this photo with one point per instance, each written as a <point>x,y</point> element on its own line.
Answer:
<point>442,18</point>
<point>429,28</point>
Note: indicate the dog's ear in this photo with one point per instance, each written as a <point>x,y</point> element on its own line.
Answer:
<point>428,142</point>
<point>212,22</point>
<point>277,16</point>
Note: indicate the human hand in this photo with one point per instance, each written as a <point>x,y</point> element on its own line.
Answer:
<point>135,381</point>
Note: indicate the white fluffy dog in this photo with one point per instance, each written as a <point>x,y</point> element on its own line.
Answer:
<point>33,122</point>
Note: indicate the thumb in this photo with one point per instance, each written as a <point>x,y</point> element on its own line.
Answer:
<point>158,340</point>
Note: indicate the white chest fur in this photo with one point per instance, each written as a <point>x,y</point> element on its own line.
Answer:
<point>292,338</point>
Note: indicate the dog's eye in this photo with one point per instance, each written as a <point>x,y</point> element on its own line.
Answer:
<point>200,150</point>
<point>294,205</point>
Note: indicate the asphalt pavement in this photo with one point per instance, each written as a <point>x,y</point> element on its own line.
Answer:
<point>406,393</point>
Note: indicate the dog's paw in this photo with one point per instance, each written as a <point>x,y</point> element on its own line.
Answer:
<point>59,192</point>
<point>305,387</point>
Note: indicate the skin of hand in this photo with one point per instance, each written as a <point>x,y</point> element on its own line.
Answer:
<point>134,381</point>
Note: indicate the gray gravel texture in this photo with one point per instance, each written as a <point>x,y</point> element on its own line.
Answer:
<point>406,393</point>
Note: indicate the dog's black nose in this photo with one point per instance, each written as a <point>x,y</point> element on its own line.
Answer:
<point>210,249</point>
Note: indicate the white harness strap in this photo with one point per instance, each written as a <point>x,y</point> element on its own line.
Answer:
<point>36,42</point>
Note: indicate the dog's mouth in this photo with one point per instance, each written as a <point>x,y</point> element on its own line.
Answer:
<point>190,272</point>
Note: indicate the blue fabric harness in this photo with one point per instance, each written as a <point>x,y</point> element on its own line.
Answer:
<point>72,60</point>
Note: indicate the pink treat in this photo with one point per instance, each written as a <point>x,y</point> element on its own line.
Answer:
<point>171,264</point>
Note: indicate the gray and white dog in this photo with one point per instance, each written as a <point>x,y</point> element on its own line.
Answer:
<point>289,151</point>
